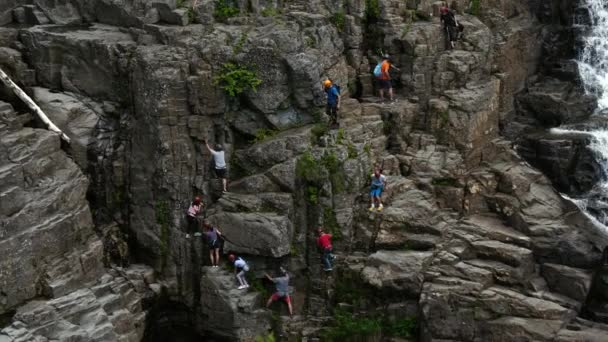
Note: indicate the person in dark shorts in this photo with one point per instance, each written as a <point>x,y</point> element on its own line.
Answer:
<point>324,243</point>
<point>450,26</point>
<point>282,286</point>
<point>219,163</point>
<point>384,79</point>
<point>192,216</point>
<point>213,236</point>
<point>333,102</point>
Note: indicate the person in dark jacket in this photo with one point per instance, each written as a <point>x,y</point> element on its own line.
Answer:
<point>450,26</point>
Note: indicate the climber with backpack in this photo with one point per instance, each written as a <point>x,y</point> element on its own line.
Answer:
<point>192,216</point>
<point>382,74</point>
<point>240,268</point>
<point>213,237</point>
<point>333,102</point>
<point>451,26</point>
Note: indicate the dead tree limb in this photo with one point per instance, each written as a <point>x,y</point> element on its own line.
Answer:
<point>30,103</point>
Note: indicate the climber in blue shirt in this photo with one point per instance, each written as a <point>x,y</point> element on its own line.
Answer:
<point>333,102</point>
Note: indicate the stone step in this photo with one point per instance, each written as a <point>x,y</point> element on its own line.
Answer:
<point>493,228</point>
<point>511,255</point>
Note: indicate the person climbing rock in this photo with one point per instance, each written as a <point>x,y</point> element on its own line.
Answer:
<point>450,26</point>
<point>219,160</point>
<point>378,185</point>
<point>282,286</point>
<point>382,74</point>
<point>240,268</point>
<point>213,236</point>
<point>192,217</point>
<point>333,102</point>
<point>324,243</point>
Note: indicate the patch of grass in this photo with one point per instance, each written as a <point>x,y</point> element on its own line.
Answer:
<point>404,327</point>
<point>266,338</point>
<point>334,167</point>
<point>476,7</point>
<point>352,151</point>
<point>330,222</point>
<point>235,79</point>
<point>367,148</point>
<point>191,15</point>
<point>269,12</point>
<point>348,326</point>
<point>238,47</point>
<point>340,136</point>
<point>338,19</point>
<point>263,134</point>
<point>225,9</point>
<point>317,132</point>
<point>447,181</point>
<point>180,3</point>
<point>309,169</point>
<point>163,218</point>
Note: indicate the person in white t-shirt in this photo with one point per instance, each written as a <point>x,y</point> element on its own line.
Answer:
<point>219,161</point>
<point>378,185</point>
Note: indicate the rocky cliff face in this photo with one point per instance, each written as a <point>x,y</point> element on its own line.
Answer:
<point>474,244</point>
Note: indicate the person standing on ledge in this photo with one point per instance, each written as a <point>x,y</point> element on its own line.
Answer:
<point>213,236</point>
<point>219,163</point>
<point>282,285</point>
<point>382,73</point>
<point>450,25</point>
<point>333,102</point>
<point>378,185</point>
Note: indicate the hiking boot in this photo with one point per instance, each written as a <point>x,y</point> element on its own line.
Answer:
<point>242,287</point>
<point>380,207</point>
<point>372,208</point>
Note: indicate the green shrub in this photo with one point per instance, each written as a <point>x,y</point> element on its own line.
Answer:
<point>336,173</point>
<point>269,12</point>
<point>265,338</point>
<point>309,169</point>
<point>372,10</point>
<point>263,134</point>
<point>238,47</point>
<point>340,136</point>
<point>476,7</point>
<point>225,9</point>
<point>404,327</point>
<point>367,148</point>
<point>258,286</point>
<point>235,79</point>
<point>180,3</point>
<point>317,132</point>
<point>330,222</point>
<point>347,326</point>
<point>338,19</point>
<point>352,151</point>
<point>312,194</point>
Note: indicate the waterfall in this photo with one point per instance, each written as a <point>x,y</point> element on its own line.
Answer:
<point>593,61</point>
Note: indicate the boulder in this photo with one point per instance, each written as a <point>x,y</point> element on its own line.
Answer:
<point>396,271</point>
<point>572,282</point>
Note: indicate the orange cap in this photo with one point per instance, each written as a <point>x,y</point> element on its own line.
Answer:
<point>327,83</point>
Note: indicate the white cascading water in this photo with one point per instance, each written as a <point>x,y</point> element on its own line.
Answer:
<point>593,70</point>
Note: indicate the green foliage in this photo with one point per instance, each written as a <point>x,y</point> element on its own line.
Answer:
<point>367,148</point>
<point>340,136</point>
<point>338,19</point>
<point>350,289</point>
<point>372,10</point>
<point>404,327</point>
<point>258,286</point>
<point>347,326</point>
<point>180,3</point>
<point>235,79</point>
<point>265,338</point>
<point>316,115</point>
<point>312,194</point>
<point>269,12</point>
<point>238,47</point>
<point>225,9</point>
<point>447,181</point>
<point>163,218</point>
<point>309,169</point>
<point>317,132</point>
<point>331,223</point>
<point>352,151</point>
<point>444,118</point>
<point>336,173</point>
<point>476,7</point>
<point>191,15</point>
<point>263,134</point>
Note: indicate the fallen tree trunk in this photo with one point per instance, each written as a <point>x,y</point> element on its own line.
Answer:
<point>30,103</point>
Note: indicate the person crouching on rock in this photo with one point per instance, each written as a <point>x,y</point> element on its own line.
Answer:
<point>192,217</point>
<point>212,235</point>
<point>219,160</point>
<point>282,286</point>
<point>324,243</point>
<point>240,268</point>
<point>378,185</point>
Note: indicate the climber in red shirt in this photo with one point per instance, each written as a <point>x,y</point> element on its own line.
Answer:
<point>324,243</point>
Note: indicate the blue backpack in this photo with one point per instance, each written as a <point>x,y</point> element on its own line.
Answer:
<point>378,70</point>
